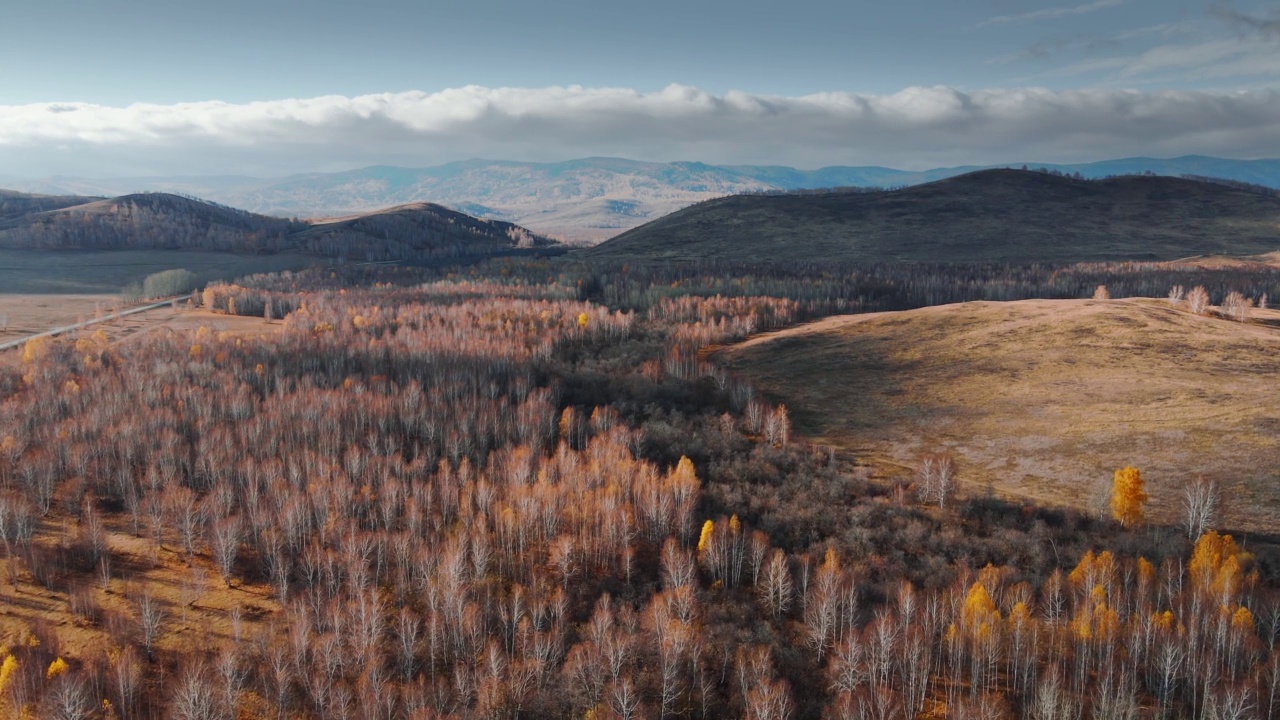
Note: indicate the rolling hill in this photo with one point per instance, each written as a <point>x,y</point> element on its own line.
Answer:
<point>419,231</point>
<point>1041,399</point>
<point>14,205</point>
<point>162,221</point>
<point>1011,216</point>
<point>585,200</point>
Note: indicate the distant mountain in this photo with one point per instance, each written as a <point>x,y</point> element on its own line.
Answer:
<point>421,231</point>
<point>1256,172</point>
<point>986,216</point>
<point>583,200</point>
<point>206,186</point>
<point>587,200</point>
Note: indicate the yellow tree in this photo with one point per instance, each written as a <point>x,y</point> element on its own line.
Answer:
<point>56,668</point>
<point>34,350</point>
<point>1127,496</point>
<point>7,672</point>
<point>704,539</point>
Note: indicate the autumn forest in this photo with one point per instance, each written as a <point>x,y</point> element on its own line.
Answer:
<point>520,489</point>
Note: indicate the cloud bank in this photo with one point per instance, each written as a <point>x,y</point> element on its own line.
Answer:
<point>916,127</point>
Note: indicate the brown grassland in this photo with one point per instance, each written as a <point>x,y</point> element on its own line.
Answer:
<point>28,314</point>
<point>1042,399</point>
<point>32,314</point>
<point>196,605</point>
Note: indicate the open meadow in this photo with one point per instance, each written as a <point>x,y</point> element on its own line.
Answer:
<point>1042,399</point>
<point>23,314</point>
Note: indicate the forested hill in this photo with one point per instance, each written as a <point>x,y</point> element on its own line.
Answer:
<point>987,216</point>
<point>177,222</point>
<point>416,229</point>
<point>585,200</point>
<point>14,205</point>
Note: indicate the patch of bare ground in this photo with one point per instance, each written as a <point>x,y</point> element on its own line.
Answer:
<point>185,320</point>
<point>96,613</point>
<point>1043,399</point>
<point>38,313</point>
<point>27,314</point>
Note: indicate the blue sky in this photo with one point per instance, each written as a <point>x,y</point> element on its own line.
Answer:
<point>138,86</point>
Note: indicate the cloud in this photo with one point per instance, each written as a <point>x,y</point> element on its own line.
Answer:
<point>916,127</point>
<point>1051,13</point>
<point>1250,23</point>
<point>1055,45</point>
<point>1215,59</point>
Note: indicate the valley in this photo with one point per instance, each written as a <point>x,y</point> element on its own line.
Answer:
<point>478,474</point>
<point>394,360</point>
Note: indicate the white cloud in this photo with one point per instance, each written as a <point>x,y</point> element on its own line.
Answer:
<point>916,127</point>
<point>1218,59</point>
<point>1083,43</point>
<point>1051,13</point>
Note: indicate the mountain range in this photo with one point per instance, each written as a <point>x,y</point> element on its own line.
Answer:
<point>580,201</point>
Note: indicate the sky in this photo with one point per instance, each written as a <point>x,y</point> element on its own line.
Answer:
<point>267,88</point>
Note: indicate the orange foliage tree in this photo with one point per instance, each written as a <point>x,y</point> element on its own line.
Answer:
<point>1127,496</point>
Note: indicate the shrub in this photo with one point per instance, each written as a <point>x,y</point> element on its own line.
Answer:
<point>168,282</point>
<point>1198,300</point>
<point>1236,306</point>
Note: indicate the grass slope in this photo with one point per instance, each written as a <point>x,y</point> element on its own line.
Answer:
<point>988,216</point>
<point>1042,399</point>
<point>15,205</point>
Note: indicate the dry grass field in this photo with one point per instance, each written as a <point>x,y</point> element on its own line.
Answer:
<point>184,320</point>
<point>27,314</point>
<point>31,314</point>
<point>1043,399</point>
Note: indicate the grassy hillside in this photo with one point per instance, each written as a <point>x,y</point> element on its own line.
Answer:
<point>988,216</point>
<point>14,205</point>
<point>1042,398</point>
